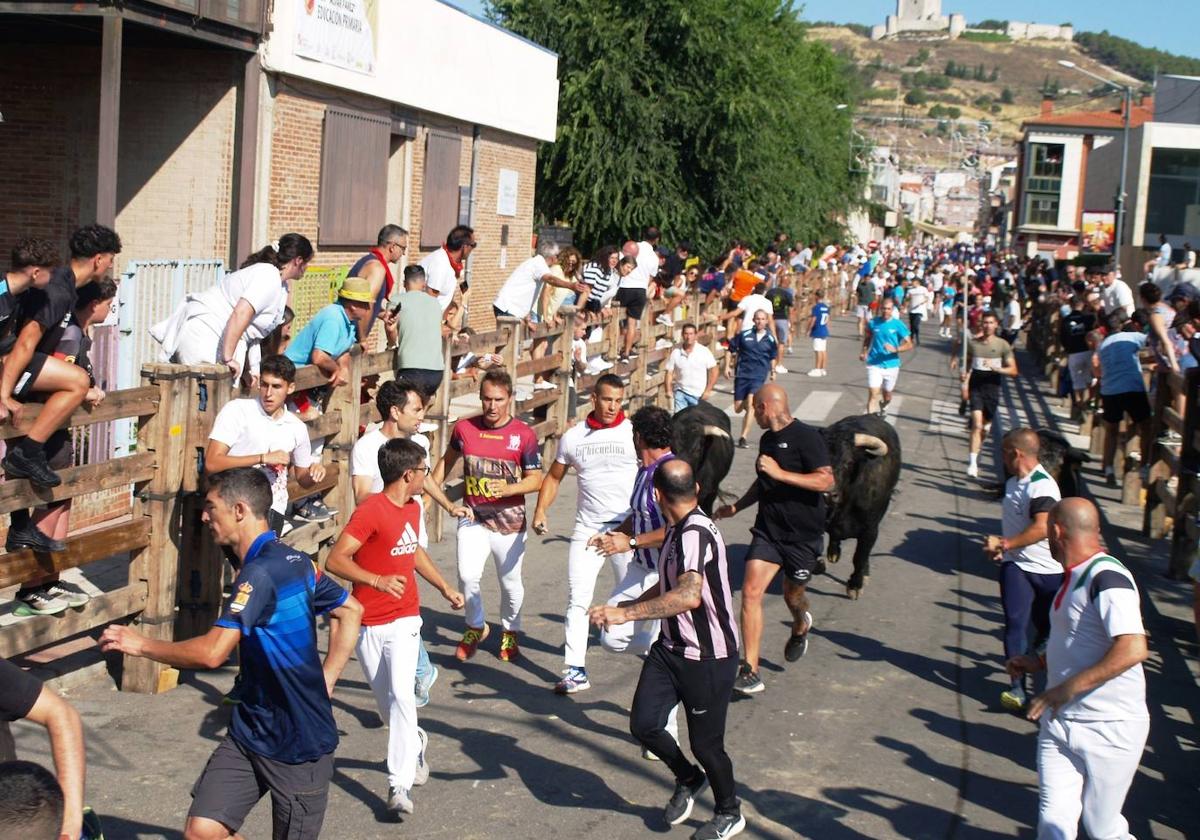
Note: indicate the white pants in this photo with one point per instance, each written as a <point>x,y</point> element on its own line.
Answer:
<point>583,567</point>
<point>1085,768</point>
<point>632,636</point>
<point>388,655</point>
<point>476,544</point>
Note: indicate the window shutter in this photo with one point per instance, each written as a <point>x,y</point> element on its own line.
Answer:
<point>439,201</point>
<point>354,169</point>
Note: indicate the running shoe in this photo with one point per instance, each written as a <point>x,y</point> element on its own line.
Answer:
<point>576,679</point>
<point>69,592</point>
<point>509,650</point>
<point>720,827</point>
<point>544,385</point>
<point>797,645</point>
<point>742,444</point>
<point>1014,699</point>
<point>972,471</point>
<point>649,756</point>
<point>1110,477</point>
<point>425,686</point>
<point>399,802</point>
<point>422,775</point>
<point>39,602</point>
<point>780,369</point>
<point>814,372</point>
<point>679,808</point>
<point>470,643</point>
<point>748,682</point>
<point>315,510</point>
<point>31,537</point>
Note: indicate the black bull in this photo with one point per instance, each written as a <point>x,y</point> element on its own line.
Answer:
<point>701,436</point>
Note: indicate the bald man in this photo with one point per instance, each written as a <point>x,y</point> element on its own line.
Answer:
<point>1029,575</point>
<point>789,531</point>
<point>1093,713</point>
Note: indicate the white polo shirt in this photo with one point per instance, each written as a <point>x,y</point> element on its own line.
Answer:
<point>440,276</point>
<point>691,369</point>
<point>606,464</point>
<point>1097,602</point>
<point>520,291</point>
<point>246,429</point>
<point>645,270</point>
<point>1023,499</point>
<point>752,303</point>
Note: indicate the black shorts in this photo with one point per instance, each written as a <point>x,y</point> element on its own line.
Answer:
<point>1134,403</point>
<point>235,779</point>
<point>797,559</point>
<point>24,386</point>
<point>985,397</point>
<point>427,380</point>
<point>634,301</point>
<point>592,305</point>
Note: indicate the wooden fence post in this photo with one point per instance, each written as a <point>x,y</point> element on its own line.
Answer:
<point>158,563</point>
<point>564,412</point>
<point>346,401</point>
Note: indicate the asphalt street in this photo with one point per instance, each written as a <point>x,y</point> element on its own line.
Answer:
<point>890,726</point>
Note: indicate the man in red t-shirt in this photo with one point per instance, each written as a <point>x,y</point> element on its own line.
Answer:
<point>501,463</point>
<point>378,552</point>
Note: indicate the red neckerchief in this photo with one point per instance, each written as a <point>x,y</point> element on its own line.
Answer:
<point>387,271</point>
<point>593,423</point>
<point>455,264</point>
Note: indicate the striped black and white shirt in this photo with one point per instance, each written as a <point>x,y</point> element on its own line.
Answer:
<point>710,630</point>
<point>646,515</point>
<point>600,279</point>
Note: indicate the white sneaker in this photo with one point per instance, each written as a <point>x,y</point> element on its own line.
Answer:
<point>780,369</point>
<point>824,372</point>
<point>544,385</point>
<point>665,320</point>
<point>422,775</point>
<point>814,372</point>
<point>399,802</point>
<point>972,471</point>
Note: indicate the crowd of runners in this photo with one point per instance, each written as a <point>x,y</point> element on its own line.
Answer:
<point>636,509</point>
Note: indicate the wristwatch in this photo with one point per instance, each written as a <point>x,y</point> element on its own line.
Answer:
<point>633,542</point>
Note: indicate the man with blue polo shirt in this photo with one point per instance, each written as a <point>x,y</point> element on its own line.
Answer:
<point>885,339</point>
<point>1123,390</point>
<point>282,735</point>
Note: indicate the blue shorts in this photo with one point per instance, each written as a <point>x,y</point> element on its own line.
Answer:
<point>745,386</point>
<point>684,400</point>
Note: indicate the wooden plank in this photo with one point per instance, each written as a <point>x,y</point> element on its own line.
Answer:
<point>461,387</point>
<point>130,402</point>
<point>540,398</point>
<point>545,429</point>
<point>333,471</point>
<point>487,342</point>
<point>19,566</point>
<point>310,376</point>
<point>329,423</point>
<point>309,536</point>
<point>38,631</point>
<point>17,493</point>
<point>551,361</point>
<point>379,362</point>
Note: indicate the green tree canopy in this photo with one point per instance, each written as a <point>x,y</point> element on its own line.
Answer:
<point>711,119</point>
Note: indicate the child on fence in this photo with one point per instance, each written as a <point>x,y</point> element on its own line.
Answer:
<point>69,342</point>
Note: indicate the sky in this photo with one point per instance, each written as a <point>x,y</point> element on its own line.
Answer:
<point>1173,26</point>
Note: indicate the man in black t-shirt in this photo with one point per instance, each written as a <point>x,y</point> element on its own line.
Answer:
<point>793,472</point>
<point>23,697</point>
<point>1073,332</point>
<point>27,370</point>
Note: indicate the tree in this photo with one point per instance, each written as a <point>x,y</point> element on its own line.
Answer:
<point>1134,59</point>
<point>916,96</point>
<point>712,119</point>
<point>1006,96</point>
<point>951,68</point>
<point>995,74</point>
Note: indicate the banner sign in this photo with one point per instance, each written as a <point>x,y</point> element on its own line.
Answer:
<point>1098,231</point>
<point>338,32</point>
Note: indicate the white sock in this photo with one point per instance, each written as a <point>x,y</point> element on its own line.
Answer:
<point>974,462</point>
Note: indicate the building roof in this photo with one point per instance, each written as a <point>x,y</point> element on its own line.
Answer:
<point>1113,119</point>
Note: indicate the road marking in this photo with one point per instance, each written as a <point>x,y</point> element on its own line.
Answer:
<point>815,408</point>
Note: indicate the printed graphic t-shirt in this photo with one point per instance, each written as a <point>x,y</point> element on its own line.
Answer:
<point>495,456</point>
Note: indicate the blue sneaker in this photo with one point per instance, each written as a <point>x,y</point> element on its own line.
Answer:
<point>423,687</point>
<point>574,680</point>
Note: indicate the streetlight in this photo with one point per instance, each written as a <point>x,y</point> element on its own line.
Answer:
<point>1128,93</point>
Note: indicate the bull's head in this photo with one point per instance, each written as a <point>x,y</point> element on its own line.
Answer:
<point>845,465</point>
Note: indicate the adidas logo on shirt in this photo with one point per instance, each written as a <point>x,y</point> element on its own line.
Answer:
<point>407,543</point>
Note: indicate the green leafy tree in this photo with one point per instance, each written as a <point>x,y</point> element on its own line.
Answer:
<point>1134,59</point>
<point>712,119</point>
<point>1006,96</point>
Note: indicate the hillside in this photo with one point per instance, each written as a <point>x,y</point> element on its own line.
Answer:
<point>1014,74</point>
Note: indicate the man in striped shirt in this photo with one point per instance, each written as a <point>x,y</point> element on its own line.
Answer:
<point>695,659</point>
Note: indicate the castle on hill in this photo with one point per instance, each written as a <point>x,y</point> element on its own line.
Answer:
<point>924,17</point>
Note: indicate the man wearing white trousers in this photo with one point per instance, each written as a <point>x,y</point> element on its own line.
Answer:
<point>602,453</point>
<point>1093,713</point>
<point>502,462</point>
<point>379,552</point>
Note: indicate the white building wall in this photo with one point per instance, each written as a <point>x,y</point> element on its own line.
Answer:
<point>436,58</point>
<point>1069,197</point>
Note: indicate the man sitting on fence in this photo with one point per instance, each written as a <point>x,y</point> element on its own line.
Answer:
<point>69,342</point>
<point>262,433</point>
<point>32,265</point>
<point>326,341</point>
<point>282,736</point>
<point>28,371</point>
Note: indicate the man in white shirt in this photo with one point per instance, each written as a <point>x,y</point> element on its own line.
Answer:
<point>691,370</point>
<point>602,453</point>
<point>1029,575</point>
<point>632,290</point>
<point>1093,713</point>
<point>917,300</point>
<point>1013,320</point>
<point>263,433</point>
<point>519,292</point>
<point>444,267</point>
<point>1117,296</point>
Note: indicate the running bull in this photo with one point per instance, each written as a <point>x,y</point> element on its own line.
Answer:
<point>865,454</point>
<point>701,436</point>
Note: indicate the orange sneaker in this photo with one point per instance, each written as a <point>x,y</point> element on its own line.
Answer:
<point>509,650</point>
<point>470,643</point>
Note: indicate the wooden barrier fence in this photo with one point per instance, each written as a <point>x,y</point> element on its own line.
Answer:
<point>177,574</point>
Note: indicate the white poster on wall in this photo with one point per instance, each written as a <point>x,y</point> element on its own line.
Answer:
<point>506,194</point>
<point>338,32</point>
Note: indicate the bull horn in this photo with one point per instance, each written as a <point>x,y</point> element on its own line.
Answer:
<point>875,446</point>
<point>717,431</point>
